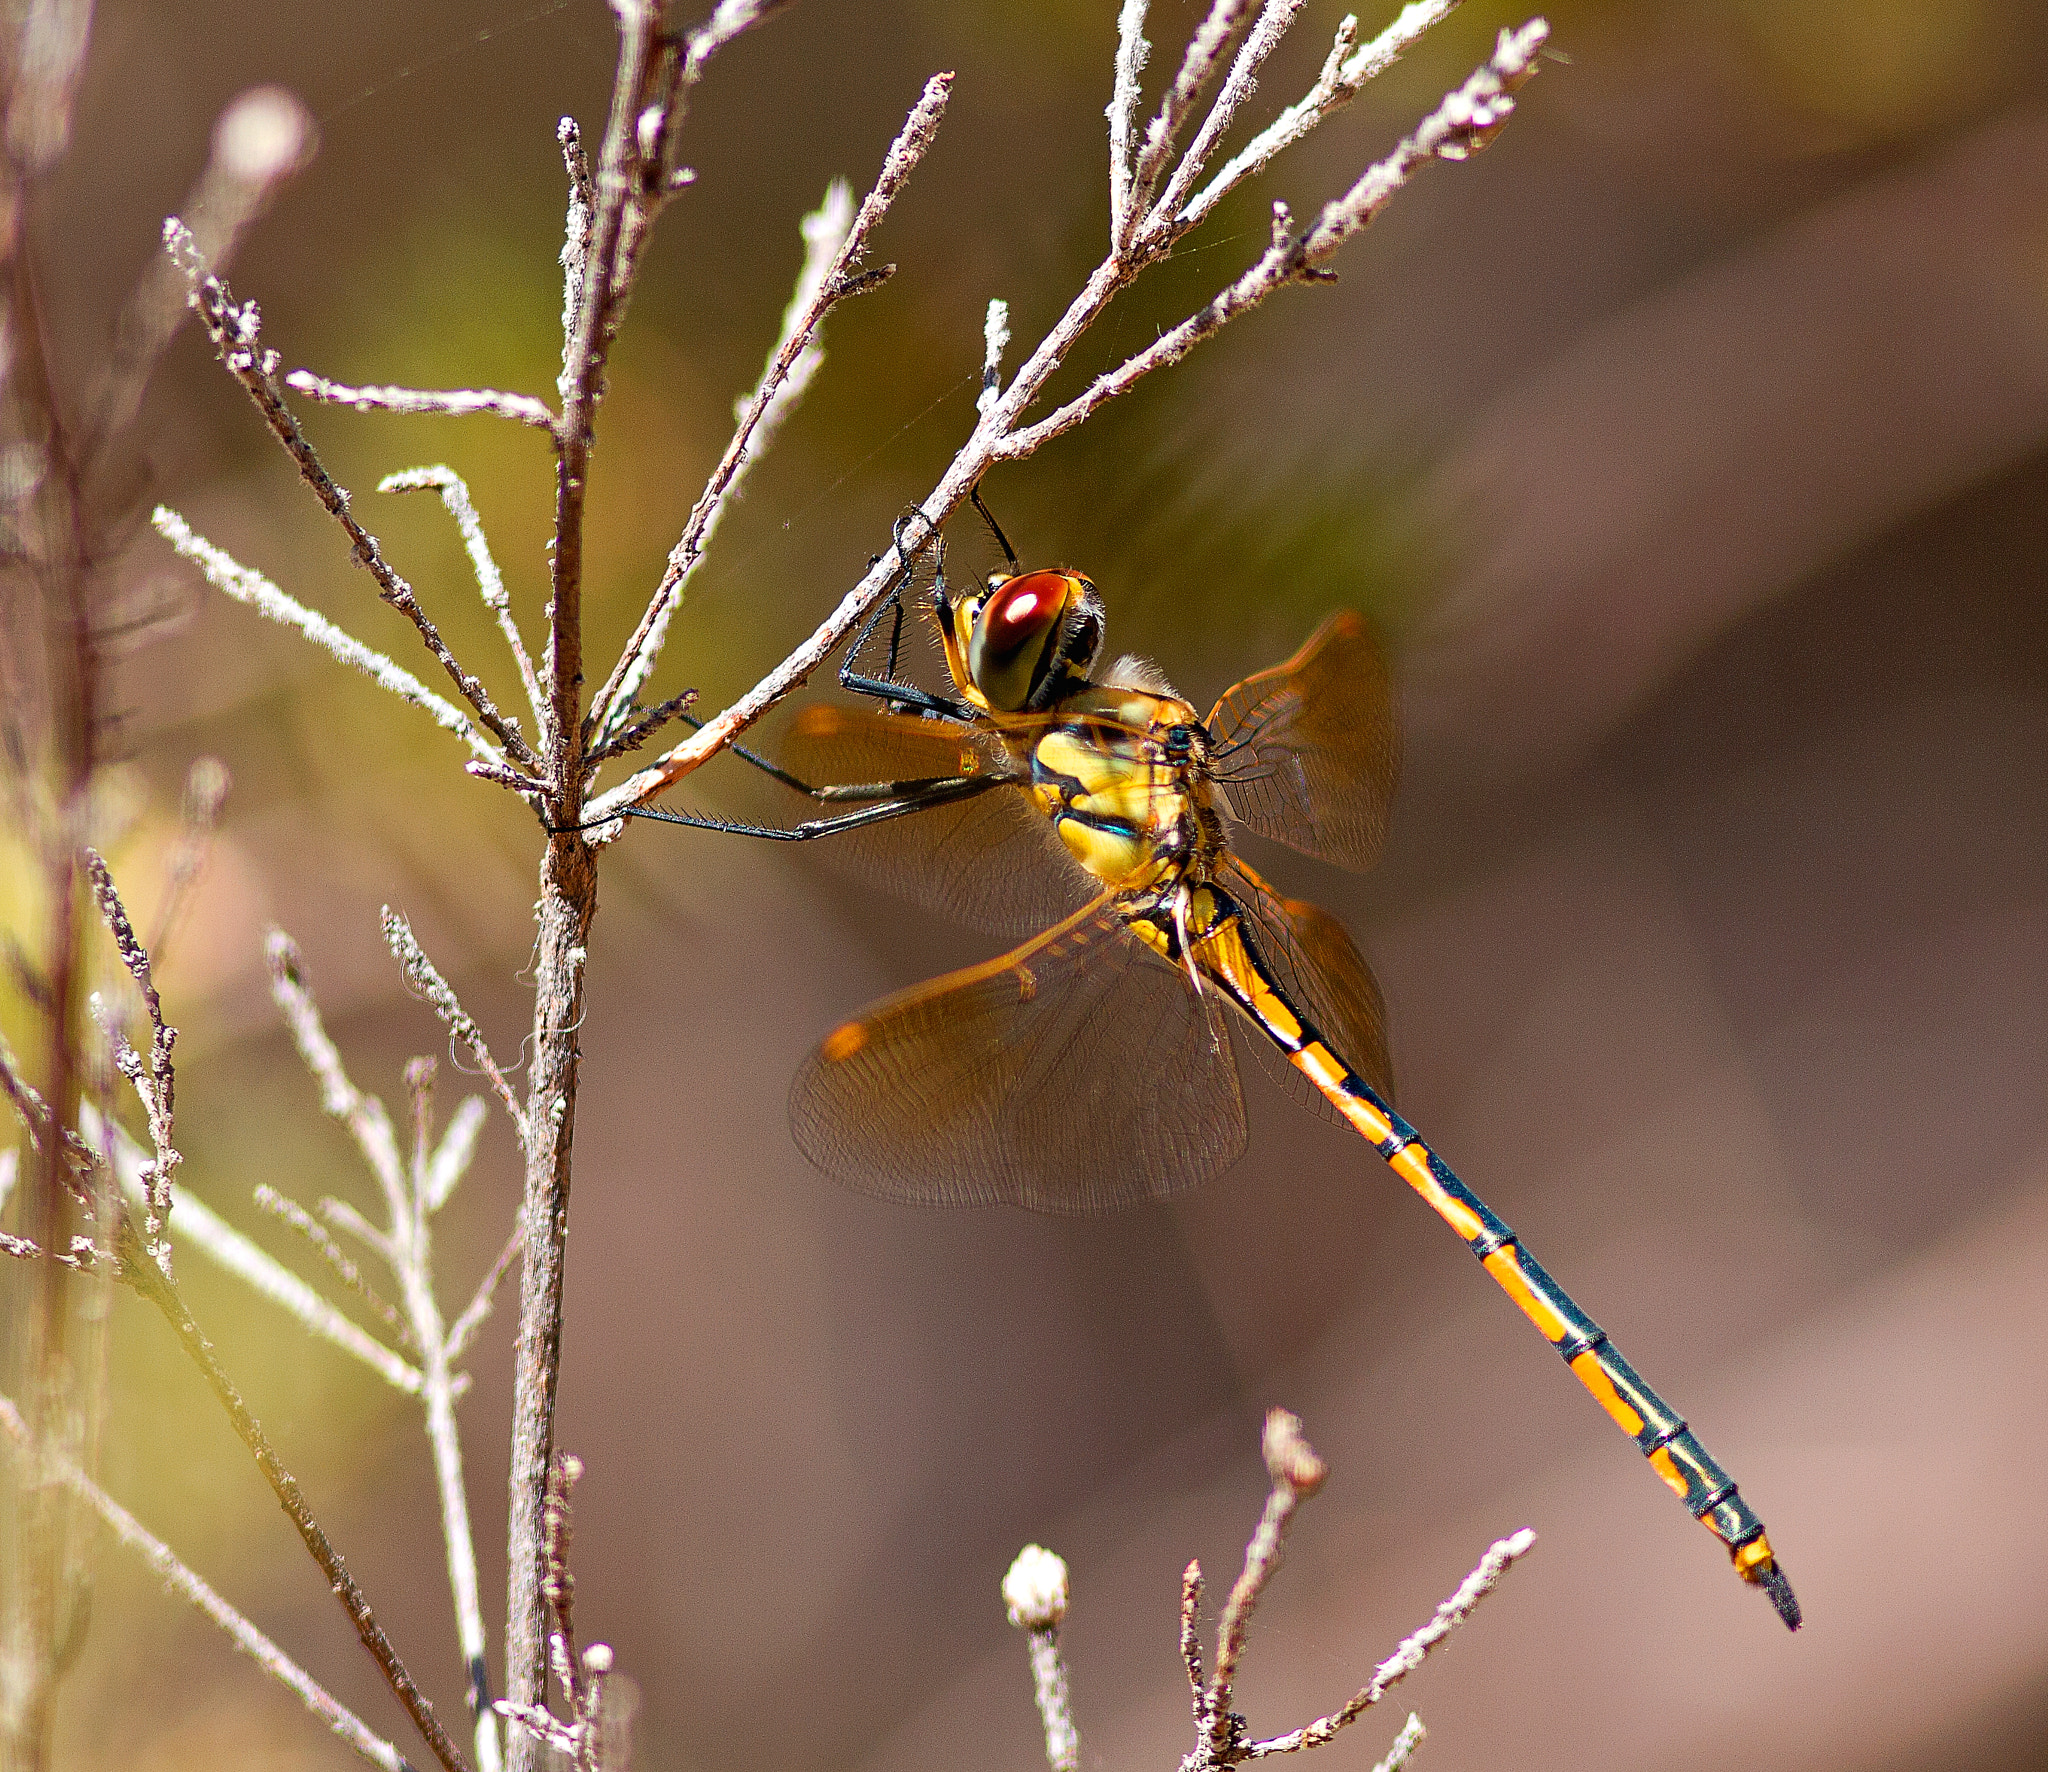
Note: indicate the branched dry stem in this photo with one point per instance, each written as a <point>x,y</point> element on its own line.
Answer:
<point>1408,1656</point>
<point>415,1186</point>
<point>1035,1594</point>
<point>236,331</point>
<point>834,245</point>
<point>1465,122</point>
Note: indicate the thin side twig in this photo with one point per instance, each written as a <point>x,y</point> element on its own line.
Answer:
<point>463,1330</point>
<point>1297,1474</point>
<point>643,725</point>
<point>575,234</point>
<point>490,583</point>
<point>362,1113</point>
<point>142,1273</point>
<point>1345,74</point>
<point>429,402</point>
<point>1412,1736</point>
<point>206,791</point>
<point>236,333</point>
<point>1132,52</point>
<point>345,1217</point>
<point>582,1678</point>
<point>1409,1655</point>
<point>1205,52</point>
<point>1190,1632</point>
<point>262,139</point>
<point>995,340</point>
<point>155,1080</point>
<point>331,1252</point>
<point>1276,18</point>
<point>427,980</point>
<point>246,585</point>
<point>834,246</point>
<point>453,1155</point>
<point>1035,1596</point>
<point>179,1579</point>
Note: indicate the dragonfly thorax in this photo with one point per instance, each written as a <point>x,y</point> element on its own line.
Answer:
<point>1123,775</point>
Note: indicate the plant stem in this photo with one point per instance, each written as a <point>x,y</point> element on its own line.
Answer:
<point>567,905</point>
<point>144,1275</point>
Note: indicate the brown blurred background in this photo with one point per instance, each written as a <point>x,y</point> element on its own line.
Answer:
<point>1692,448</point>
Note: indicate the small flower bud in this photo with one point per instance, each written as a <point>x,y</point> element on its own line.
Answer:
<point>1035,1590</point>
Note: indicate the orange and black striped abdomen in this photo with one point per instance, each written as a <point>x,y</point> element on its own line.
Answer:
<point>1226,953</point>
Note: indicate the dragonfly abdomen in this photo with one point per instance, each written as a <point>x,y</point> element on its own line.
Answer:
<point>1227,956</point>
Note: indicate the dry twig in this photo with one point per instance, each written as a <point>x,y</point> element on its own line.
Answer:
<point>1466,120</point>
<point>179,1579</point>
<point>1035,1592</point>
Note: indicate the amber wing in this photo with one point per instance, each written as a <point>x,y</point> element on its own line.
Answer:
<point>1076,1074</point>
<point>991,862</point>
<point>1323,976</point>
<point>1308,751</point>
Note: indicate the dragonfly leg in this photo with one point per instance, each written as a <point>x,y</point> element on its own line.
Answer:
<point>995,528</point>
<point>901,697</point>
<point>832,792</point>
<point>917,797</point>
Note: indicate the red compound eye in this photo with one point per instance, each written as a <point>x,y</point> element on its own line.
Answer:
<point>1021,611</point>
<point>1011,642</point>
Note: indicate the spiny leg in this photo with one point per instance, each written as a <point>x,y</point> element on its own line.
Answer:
<point>916,797</point>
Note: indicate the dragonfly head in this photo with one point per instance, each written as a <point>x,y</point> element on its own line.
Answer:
<point>1027,638</point>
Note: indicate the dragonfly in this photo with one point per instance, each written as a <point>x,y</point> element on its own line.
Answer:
<point>1088,809</point>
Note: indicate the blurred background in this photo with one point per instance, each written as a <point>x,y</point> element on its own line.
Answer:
<point>1690,448</point>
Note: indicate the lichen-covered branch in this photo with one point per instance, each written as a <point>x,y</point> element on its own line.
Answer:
<point>424,402</point>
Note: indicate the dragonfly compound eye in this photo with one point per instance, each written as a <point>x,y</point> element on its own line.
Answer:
<point>1023,631</point>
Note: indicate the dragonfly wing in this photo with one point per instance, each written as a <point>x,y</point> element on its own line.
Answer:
<point>992,862</point>
<point>1320,970</point>
<point>1308,751</point>
<point>1078,1073</point>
